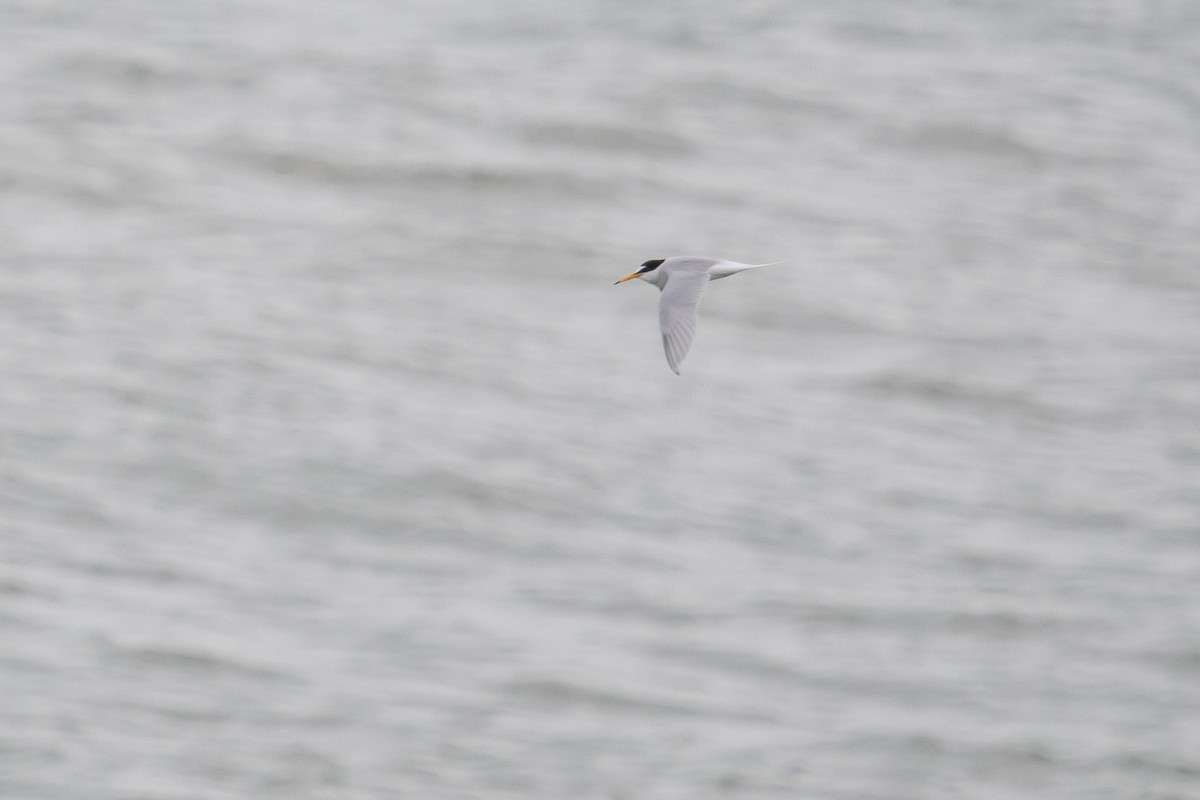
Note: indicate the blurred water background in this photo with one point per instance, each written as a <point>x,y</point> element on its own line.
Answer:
<point>332,465</point>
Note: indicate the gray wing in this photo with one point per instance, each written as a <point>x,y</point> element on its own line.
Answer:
<point>677,313</point>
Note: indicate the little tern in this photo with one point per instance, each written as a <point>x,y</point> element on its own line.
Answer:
<point>682,279</point>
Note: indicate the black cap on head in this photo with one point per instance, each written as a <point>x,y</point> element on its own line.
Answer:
<point>651,264</point>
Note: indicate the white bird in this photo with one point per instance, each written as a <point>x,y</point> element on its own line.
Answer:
<point>682,279</point>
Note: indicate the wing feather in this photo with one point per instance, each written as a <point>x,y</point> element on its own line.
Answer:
<point>677,312</point>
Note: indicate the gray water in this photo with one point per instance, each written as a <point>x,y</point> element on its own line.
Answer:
<point>332,465</point>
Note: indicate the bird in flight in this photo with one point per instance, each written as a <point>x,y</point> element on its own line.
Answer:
<point>682,279</point>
